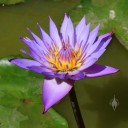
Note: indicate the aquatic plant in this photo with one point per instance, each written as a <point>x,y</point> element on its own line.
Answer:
<point>64,58</point>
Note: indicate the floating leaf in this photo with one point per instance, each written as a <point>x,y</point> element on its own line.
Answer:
<point>8,2</point>
<point>10,118</point>
<point>111,14</point>
<point>20,100</point>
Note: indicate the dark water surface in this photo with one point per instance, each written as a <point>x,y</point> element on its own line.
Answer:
<point>94,95</point>
<point>14,21</point>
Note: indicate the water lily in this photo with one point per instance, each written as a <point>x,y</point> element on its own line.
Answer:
<point>64,57</point>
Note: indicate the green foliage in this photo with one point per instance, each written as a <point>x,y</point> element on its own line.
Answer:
<point>110,14</point>
<point>20,100</point>
<point>11,1</point>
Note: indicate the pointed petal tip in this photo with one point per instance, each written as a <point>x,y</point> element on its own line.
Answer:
<point>44,110</point>
<point>98,26</point>
<point>54,90</point>
<point>38,24</point>
<point>65,14</point>
<point>21,38</point>
<point>10,60</point>
<point>46,107</point>
<point>28,29</point>
<point>109,34</point>
<point>89,24</point>
<point>50,18</point>
<point>113,69</point>
<point>116,70</point>
<point>100,70</point>
<point>24,51</point>
<point>84,18</point>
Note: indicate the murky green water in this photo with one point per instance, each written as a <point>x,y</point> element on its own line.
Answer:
<point>94,95</point>
<point>14,21</point>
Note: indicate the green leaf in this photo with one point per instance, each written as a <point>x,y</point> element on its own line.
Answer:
<point>110,14</point>
<point>21,100</point>
<point>10,118</point>
<point>8,2</point>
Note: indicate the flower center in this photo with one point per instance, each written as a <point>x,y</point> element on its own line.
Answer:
<point>66,59</point>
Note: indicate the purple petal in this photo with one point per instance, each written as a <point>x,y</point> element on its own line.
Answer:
<point>34,66</point>
<point>98,54</point>
<point>101,43</point>
<point>24,51</point>
<point>45,37</point>
<point>64,26</point>
<point>54,90</point>
<point>32,46</point>
<point>24,63</point>
<point>38,41</point>
<point>92,36</point>
<point>95,55</point>
<point>36,52</point>
<point>70,33</point>
<point>33,55</point>
<point>78,76</point>
<point>79,28</point>
<point>61,75</point>
<point>70,73</point>
<point>49,72</point>
<point>54,34</point>
<point>99,70</point>
<point>87,64</point>
<point>83,37</point>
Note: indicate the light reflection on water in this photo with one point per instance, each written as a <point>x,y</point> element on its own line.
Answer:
<point>93,94</point>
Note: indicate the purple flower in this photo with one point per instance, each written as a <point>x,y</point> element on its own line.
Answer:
<point>65,57</point>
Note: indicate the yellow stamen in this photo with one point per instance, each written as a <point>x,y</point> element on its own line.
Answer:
<point>66,59</point>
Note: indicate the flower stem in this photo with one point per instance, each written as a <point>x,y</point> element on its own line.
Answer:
<point>76,109</point>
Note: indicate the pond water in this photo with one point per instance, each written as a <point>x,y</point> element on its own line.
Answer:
<point>14,21</point>
<point>94,95</point>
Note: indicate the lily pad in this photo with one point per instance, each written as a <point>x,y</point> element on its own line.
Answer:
<point>20,100</point>
<point>9,2</point>
<point>10,118</point>
<point>111,15</point>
